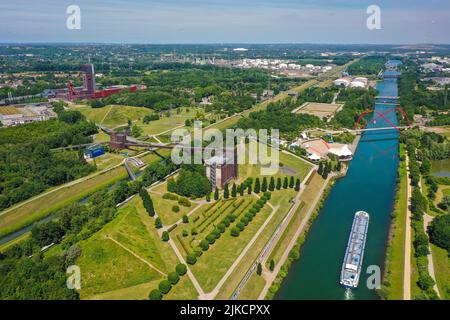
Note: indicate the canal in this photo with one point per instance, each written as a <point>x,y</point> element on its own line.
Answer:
<point>370,186</point>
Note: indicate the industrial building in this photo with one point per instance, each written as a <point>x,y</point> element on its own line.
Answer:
<point>94,151</point>
<point>19,114</point>
<point>89,89</point>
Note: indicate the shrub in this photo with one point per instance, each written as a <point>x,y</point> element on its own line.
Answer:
<point>216,233</point>
<point>185,219</point>
<point>158,223</point>
<point>170,196</point>
<point>259,269</point>
<point>155,295</point>
<point>245,221</point>
<point>425,281</point>
<point>194,232</point>
<point>184,202</point>
<point>439,231</point>
<point>272,265</point>
<point>221,227</point>
<point>249,216</point>
<point>181,269</point>
<point>198,252</point>
<point>172,227</point>
<point>231,217</point>
<point>165,286</point>
<point>173,277</point>
<point>226,191</point>
<point>176,208</point>
<point>185,233</point>
<point>165,236</point>
<point>235,232</point>
<point>240,226</point>
<point>191,259</point>
<point>291,182</point>
<point>216,194</point>
<point>226,222</point>
<point>210,238</point>
<point>204,244</point>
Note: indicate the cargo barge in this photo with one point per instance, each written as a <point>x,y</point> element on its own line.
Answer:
<point>354,254</point>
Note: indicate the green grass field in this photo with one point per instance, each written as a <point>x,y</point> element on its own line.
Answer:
<point>289,166</point>
<point>108,269</point>
<point>395,253</point>
<point>163,207</point>
<point>113,116</point>
<point>441,262</point>
<point>41,206</point>
<point>215,262</point>
<point>252,288</point>
<point>307,199</point>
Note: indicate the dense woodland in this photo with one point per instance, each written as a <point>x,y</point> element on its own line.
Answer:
<point>27,164</point>
<point>415,98</point>
<point>370,65</point>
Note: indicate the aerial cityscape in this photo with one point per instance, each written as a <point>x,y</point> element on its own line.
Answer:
<point>192,163</point>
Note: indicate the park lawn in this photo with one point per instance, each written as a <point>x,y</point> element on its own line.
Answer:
<point>113,115</point>
<point>41,206</point>
<point>151,157</point>
<point>135,230</point>
<point>289,166</point>
<point>307,200</point>
<point>163,207</point>
<point>281,198</point>
<point>441,262</point>
<point>215,262</point>
<point>395,253</point>
<point>107,160</point>
<point>106,266</point>
<point>101,137</point>
<point>166,124</point>
<point>94,114</point>
<point>137,292</point>
<point>183,290</point>
<point>119,115</point>
<point>252,288</point>
<point>205,221</point>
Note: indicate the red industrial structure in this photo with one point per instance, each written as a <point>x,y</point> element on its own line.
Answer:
<point>89,87</point>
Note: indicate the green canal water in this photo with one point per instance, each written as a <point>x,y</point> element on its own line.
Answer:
<point>370,186</point>
<point>440,168</point>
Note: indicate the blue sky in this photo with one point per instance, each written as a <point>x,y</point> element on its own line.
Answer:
<point>225,21</point>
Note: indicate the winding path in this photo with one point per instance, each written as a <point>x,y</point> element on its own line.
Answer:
<point>427,219</point>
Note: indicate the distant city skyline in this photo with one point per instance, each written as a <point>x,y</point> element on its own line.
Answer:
<point>226,21</point>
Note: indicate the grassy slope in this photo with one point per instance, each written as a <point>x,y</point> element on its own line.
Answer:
<point>308,197</point>
<point>163,207</point>
<point>441,262</point>
<point>42,206</point>
<point>395,255</point>
<point>283,199</point>
<point>107,267</point>
<point>215,262</point>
